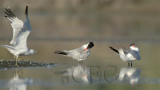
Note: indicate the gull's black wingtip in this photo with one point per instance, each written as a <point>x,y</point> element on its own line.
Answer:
<point>26,11</point>
<point>9,13</point>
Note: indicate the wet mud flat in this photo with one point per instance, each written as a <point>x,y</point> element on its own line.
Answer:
<point>10,64</point>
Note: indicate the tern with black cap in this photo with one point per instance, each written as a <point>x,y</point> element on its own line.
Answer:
<point>80,53</point>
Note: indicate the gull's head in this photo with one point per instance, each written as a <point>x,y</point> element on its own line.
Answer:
<point>133,47</point>
<point>31,51</point>
<point>88,46</point>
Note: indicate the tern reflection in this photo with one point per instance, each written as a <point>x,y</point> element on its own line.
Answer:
<point>17,83</point>
<point>130,75</point>
<point>80,74</point>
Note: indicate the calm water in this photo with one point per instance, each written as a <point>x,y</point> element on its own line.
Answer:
<point>68,24</point>
<point>102,70</point>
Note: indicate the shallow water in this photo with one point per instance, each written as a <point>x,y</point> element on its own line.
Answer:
<point>68,24</point>
<point>102,70</point>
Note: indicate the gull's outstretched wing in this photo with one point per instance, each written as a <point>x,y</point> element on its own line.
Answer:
<point>21,30</point>
<point>16,24</point>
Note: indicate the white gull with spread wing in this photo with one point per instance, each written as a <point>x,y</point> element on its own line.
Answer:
<point>21,31</point>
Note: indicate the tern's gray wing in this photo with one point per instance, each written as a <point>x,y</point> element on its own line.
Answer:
<point>75,52</point>
<point>135,54</point>
<point>21,30</point>
<point>80,50</point>
<point>125,51</point>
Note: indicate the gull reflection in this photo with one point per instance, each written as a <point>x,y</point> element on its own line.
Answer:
<point>80,73</point>
<point>17,83</point>
<point>129,74</point>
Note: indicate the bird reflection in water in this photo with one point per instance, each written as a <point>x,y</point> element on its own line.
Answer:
<point>130,75</point>
<point>17,83</point>
<point>79,74</point>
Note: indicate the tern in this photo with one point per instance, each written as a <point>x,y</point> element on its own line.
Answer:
<point>80,53</point>
<point>128,55</point>
<point>21,31</point>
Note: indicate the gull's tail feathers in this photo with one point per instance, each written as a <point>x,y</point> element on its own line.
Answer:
<point>113,49</point>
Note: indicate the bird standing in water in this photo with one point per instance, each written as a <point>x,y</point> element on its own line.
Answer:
<point>128,55</point>
<point>21,31</point>
<point>80,53</point>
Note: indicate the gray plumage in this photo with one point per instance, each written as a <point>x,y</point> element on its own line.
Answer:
<point>128,55</point>
<point>79,54</point>
<point>135,54</point>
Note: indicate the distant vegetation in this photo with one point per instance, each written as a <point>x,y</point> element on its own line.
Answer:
<point>94,19</point>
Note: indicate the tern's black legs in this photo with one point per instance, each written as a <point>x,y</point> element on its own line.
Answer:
<point>130,64</point>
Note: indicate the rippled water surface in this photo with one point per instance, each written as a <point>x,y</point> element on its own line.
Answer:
<point>102,70</point>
